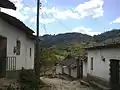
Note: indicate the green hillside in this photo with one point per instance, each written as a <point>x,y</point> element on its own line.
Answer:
<point>57,47</point>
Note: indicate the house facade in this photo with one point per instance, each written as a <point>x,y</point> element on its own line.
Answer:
<point>67,67</point>
<point>73,67</point>
<point>103,65</point>
<point>17,44</point>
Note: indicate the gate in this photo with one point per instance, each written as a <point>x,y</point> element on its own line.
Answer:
<point>11,63</point>
<point>115,74</point>
<point>11,67</point>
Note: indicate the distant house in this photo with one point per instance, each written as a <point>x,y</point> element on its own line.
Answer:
<point>72,67</point>
<point>104,65</point>
<point>17,44</point>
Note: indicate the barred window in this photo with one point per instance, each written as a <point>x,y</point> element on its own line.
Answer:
<point>18,46</point>
<point>91,63</point>
<point>30,51</point>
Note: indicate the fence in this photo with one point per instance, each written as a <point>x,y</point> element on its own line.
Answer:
<point>11,63</point>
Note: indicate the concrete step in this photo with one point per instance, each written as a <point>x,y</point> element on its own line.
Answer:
<point>84,83</point>
<point>101,87</point>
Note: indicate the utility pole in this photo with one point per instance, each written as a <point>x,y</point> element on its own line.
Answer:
<point>37,61</point>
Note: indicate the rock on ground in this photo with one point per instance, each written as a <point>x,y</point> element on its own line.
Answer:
<point>5,83</point>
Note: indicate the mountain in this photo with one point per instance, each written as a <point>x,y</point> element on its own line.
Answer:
<point>57,47</point>
<point>64,39</point>
<point>113,34</point>
<point>78,38</point>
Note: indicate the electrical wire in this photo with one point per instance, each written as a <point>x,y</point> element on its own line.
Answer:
<point>43,25</point>
<point>60,22</point>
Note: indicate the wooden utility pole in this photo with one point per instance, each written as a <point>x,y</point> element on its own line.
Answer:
<point>37,61</point>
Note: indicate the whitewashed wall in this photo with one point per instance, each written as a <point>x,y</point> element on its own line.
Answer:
<point>12,34</point>
<point>66,70</point>
<point>74,72</point>
<point>101,68</point>
<point>85,65</point>
<point>58,69</point>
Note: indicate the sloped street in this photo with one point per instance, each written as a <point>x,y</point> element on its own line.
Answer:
<point>60,84</point>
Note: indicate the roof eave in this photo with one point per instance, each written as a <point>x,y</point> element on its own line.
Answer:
<point>17,23</point>
<point>114,45</point>
<point>7,4</point>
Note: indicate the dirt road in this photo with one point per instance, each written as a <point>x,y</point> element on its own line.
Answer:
<point>59,84</point>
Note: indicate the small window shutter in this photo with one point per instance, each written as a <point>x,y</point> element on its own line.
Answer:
<point>30,51</point>
<point>18,47</point>
<point>91,63</point>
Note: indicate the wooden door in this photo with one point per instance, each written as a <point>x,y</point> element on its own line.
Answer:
<point>3,45</point>
<point>79,69</point>
<point>114,74</point>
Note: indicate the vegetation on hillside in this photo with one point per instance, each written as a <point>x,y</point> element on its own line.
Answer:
<point>64,39</point>
<point>57,47</point>
<point>115,33</point>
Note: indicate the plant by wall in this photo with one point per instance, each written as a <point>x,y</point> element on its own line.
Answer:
<point>27,79</point>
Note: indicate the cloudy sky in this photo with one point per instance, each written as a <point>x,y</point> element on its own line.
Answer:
<point>61,16</point>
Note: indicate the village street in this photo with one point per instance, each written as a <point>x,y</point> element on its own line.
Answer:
<point>59,84</point>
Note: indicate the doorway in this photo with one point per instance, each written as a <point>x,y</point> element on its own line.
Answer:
<point>3,49</point>
<point>115,74</point>
<point>79,69</point>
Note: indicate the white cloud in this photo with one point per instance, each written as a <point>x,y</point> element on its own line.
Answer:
<point>46,20</point>
<point>85,30</point>
<point>23,12</point>
<point>92,8</point>
<point>117,20</point>
<point>26,9</point>
<point>66,15</point>
<point>42,20</point>
<point>18,13</point>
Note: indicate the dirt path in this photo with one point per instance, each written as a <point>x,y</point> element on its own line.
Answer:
<point>59,84</point>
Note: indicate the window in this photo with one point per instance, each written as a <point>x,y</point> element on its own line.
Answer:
<point>91,63</point>
<point>18,46</point>
<point>103,59</point>
<point>30,51</point>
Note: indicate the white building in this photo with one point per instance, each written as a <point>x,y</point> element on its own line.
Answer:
<point>17,44</point>
<point>67,67</point>
<point>103,64</point>
<point>73,67</point>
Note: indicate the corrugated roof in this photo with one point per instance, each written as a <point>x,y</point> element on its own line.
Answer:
<point>68,61</point>
<point>72,61</point>
<point>7,4</point>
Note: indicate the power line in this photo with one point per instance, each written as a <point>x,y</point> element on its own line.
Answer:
<point>61,23</point>
<point>44,26</point>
